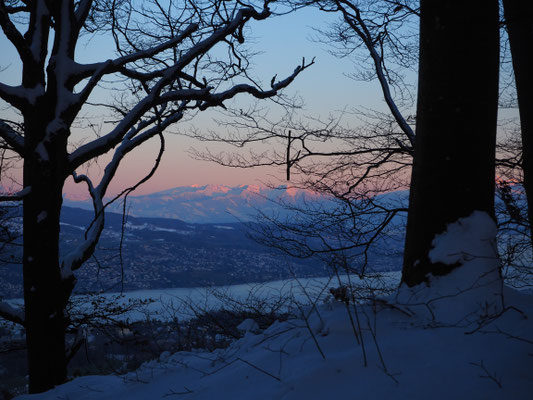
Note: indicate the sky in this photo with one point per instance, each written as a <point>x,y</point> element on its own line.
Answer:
<point>283,42</point>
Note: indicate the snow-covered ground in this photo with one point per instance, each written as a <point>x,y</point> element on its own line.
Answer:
<point>170,303</point>
<point>409,358</point>
<point>165,304</point>
<point>464,337</point>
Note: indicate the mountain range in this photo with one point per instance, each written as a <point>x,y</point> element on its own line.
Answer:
<point>211,203</point>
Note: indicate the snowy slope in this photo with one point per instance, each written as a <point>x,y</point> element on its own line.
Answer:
<point>465,337</point>
<point>284,362</point>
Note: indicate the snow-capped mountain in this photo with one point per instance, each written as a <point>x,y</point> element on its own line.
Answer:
<point>211,203</point>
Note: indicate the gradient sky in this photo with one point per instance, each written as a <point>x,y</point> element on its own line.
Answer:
<point>283,41</point>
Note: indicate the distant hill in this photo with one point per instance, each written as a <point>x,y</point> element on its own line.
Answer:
<point>203,244</point>
<point>161,253</point>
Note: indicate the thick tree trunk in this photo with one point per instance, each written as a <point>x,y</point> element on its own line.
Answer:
<point>519,20</point>
<point>453,170</point>
<point>45,294</point>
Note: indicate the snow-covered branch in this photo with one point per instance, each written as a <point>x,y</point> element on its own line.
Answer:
<point>107,142</point>
<point>97,70</point>
<point>38,32</point>
<point>17,96</point>
<point>12,138</point>
<point>17,9</point>
<point>10,313</point>
<point>75,258</point>
<point>16,196</point>
<point>133,140</point>
<point>13,35</point>
<point>147,76</point>
<point>209,100</point>
<point>82,11</point>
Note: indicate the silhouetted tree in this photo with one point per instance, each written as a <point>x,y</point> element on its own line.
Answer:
<point>519,23</point>
<point>454,159</point>
<point>165,69</point>
<point>349,165</point>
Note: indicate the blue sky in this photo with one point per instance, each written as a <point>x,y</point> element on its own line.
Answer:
<point>283,41</point>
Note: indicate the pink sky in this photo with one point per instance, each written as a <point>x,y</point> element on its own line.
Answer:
<point>177,168</point>
<point>174,173</point>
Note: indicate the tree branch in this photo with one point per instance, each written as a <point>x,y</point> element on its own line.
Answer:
<point>218,99</point>
<point>12,138</point>
<point>359,27</point>
<point>16,196</point>
<point>82,12</point>
<point>19,96</point>
<point>96,71</point>
<point>75,258</point>
<point>13,35</point>
<point>107,142</point>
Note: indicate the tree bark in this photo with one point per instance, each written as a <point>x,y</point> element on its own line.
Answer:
<point>519,21</point>
<point>45,292</point>
<point>453,170</point>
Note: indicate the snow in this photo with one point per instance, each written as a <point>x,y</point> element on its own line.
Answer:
<point>224,227</point>
<point>469,291</point>
<point>73,226</point>
<point>284,362</point>
<point>248,325</point>
<point>471,237</point>
<point>8,309</point>
<point>166,304</point>
<point>462,335</point>
<point>147,226</point>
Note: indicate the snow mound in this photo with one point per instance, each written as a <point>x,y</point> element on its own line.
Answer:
<point>473,237</point>
<point>470,291</point>
<point>248,325</point>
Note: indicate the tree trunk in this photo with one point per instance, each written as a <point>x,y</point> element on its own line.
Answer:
<point>519,20</point>
<point>45,294</point>
<point>453,171</point>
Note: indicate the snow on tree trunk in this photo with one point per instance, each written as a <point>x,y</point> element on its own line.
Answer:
<point>453,172</point>
<point>519,19</point>
<point>468,293</point>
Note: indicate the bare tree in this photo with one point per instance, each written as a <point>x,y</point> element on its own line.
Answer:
<point>349,165</point>
<point>165,70</point>
<point>511,207</point>
<point>376,156</point>
<point>519,24</point>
